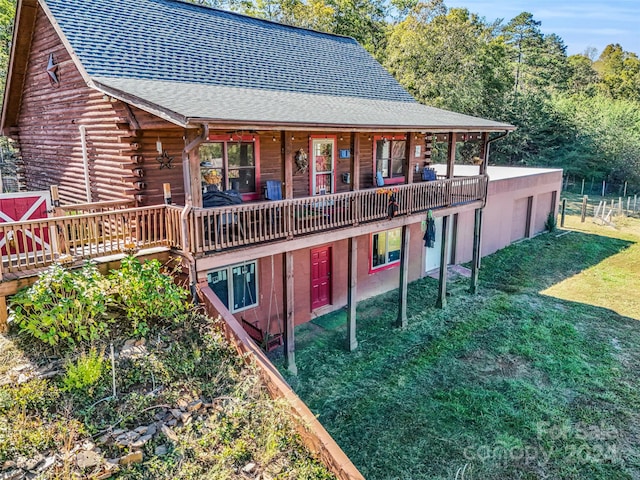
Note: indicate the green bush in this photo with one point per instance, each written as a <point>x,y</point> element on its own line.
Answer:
<point>145,293</point>
<point>85,372</point>
<point>551,223</point>
<point>64,306</point>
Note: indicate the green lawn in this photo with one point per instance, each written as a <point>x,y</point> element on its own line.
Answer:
<point>511,383</point>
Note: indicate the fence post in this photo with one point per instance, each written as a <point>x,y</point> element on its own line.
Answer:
<point>585,198</point>
<point>564,206</point>
<point>582,189</point>
<point>624,194</point>
<point>604,185</point>
<point>619,205</point>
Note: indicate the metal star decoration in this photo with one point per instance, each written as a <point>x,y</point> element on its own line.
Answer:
<point>165,160</point>
<point>52,68</point>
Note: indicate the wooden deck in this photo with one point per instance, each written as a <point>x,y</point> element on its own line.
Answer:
<point>98,230</point>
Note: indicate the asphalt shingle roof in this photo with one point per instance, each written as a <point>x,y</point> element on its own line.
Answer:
<point>187,62</point>
<point>181,42</point>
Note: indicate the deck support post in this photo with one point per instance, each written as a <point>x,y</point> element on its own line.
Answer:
<point>289,333</point>
<point>287,163</point>
<point>4,315</point>
<point>404,276</point>
<point>442,285</point>
<point>475,265</point>
<point>352,341</point>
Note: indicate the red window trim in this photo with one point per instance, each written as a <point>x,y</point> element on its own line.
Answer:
<point>231,138</point>
<point>387,181</point>
<point>333,160</point>
<point>386,266</point>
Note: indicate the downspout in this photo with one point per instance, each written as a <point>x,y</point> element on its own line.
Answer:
<point>184,215</point>
<point>485,161</point>
<point>85,161</point>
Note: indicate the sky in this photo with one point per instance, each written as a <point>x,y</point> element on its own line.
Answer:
<point>580,23</point>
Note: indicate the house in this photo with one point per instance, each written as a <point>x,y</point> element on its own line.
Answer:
<point>283,165</point>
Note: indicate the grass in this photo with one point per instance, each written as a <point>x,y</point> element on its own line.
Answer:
<point>510,383</point>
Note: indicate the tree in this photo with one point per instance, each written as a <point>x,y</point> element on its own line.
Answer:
<point>619,73</point>
<point>451,60</point>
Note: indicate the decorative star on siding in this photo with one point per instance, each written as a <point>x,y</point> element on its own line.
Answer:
<point>52,68</point>
<point>165,160</point>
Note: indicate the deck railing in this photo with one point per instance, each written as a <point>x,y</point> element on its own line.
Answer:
<point>34,244</point>
<point>111,229</point>
<point>221,228</point>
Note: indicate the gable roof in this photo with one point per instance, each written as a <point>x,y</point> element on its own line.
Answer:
<point>190,64</point>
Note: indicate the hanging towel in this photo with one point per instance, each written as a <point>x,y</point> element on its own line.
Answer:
<point>430,234</point>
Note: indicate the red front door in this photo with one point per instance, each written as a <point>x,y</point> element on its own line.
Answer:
<point>320,277</point>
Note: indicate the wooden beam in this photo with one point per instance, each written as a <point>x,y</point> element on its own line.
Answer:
<point>4,315</point>
<point>287,163</point>
<point>352,341</point>
<point>289,331</point>
<point>409,157</point>
<point>451,159</point>
<point>355,166</point>
<point>404,277</point>
<point>475,264</point>
<point>442,286</point>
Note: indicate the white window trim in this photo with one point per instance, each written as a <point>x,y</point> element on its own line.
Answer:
<point>387,263</point>
<point>231,301</point>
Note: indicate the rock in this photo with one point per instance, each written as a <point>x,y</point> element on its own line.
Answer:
<point>141,429</point>
<point>161,450</point>
<point>127,438</point>
<point>185,417</point>
<point>23,378</point>
<point>141,441</point>
<point>133,457</point>
<point>88,459</point>
<point>47,464</point>
<point>170,434</point>
<point>102,475</point>
<point>33,463</point>
<point>176,413</point>
<point>194,406</point>
<point>172,423</point>
<point>117,432</point>
<point>183,402</point>
<point>104,439</point>
<point>152,429</point>
<point>13,475</point>
<point>9,464</point>
<point>88,445</point>
<point>249,467</point>
<point>141,342</point>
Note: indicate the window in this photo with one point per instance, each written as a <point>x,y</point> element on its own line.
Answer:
<point>236,286</point>
<point>385,248</point>
<point>389,157</point>
<point>230,164</point>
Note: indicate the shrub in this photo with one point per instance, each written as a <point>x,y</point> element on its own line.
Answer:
<point>551,222</point>
<point>85,372</point>
<point>145,293</point>
<point>64,305</point>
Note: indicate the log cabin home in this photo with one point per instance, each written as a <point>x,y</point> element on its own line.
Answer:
<point>285,167</point>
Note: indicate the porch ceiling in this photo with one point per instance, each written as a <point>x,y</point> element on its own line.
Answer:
<point>188,103</point>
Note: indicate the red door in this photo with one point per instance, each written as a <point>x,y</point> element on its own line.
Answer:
<point>320,277</point>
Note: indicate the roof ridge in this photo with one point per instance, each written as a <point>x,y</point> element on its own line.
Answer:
<point>265,20</point>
